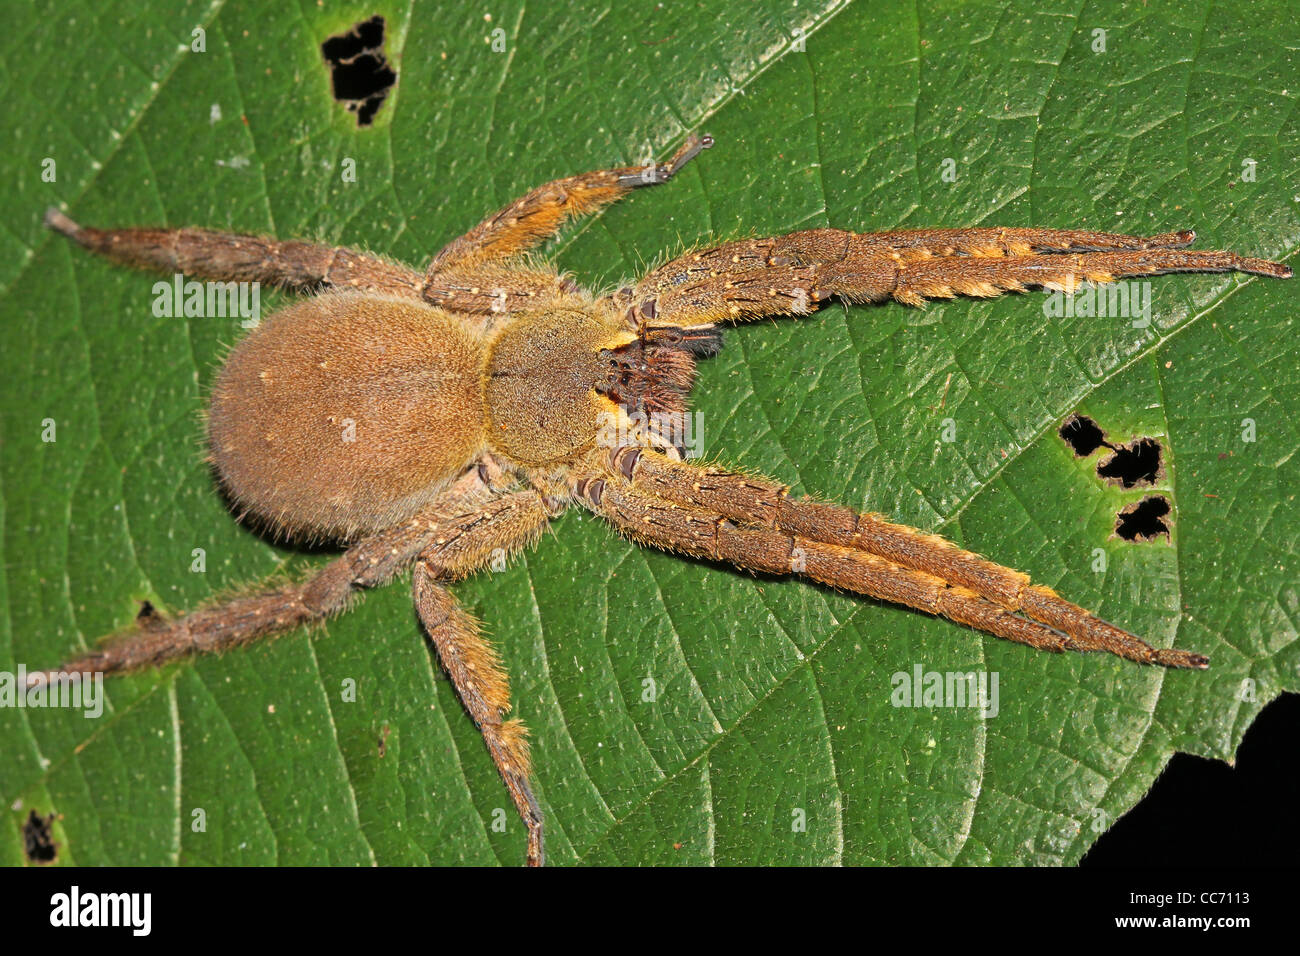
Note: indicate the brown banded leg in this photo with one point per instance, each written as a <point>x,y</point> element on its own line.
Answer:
<point>824,247</point>
<point>794,274</point>
<point>943,278</point>
<point>472,663</point>
<point>448,545</point>
<point>757,503</point>
<point>230,257</point>
<point>985,241</point>
<point>246,617</point>
<point>491,288</point>
<point>475,670</point>
<point>659,522</point>
<point>539,213</point>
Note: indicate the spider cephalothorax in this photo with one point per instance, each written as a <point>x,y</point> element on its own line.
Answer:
<point>439,419</point>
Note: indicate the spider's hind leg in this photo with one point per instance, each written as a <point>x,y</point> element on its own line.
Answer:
<point>230,257</point>
<point>244,618</point>
<point>464,535</point>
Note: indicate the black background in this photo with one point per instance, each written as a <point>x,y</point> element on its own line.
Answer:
<point>1205,813</point>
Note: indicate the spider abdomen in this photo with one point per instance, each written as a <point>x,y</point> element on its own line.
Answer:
<point>344,414</point>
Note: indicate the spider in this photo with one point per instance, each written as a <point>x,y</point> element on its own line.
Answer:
<point>489,393</point>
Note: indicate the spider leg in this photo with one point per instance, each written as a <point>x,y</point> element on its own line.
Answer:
<point>447,546</point>
<point>229,257</point>
<point>470,661</point>
<point>754,523</point>
<point>984,241</point>
<point>480,681</point>
<point>244,617</point>
<point>488,288</point>
<point>649,519</point>
<point>795,273</point>
<point>948,276</point>
<point>539,213</point>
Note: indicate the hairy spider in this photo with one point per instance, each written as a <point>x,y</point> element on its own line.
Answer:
<point>482,395</point>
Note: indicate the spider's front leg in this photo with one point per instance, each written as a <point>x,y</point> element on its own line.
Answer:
<point>795,273</point>
<point>753,523</point>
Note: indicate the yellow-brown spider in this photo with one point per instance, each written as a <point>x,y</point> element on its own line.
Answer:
<point>441,418</point>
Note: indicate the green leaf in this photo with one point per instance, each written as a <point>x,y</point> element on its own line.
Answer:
<point>773,698</point>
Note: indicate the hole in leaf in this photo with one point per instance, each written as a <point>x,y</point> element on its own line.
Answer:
<point>1137,463</point>
<point>1082,434</point>
<point>1145,520</point>
<point>359,69</point>
<point>38,839</point>
<point>148,618</point>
